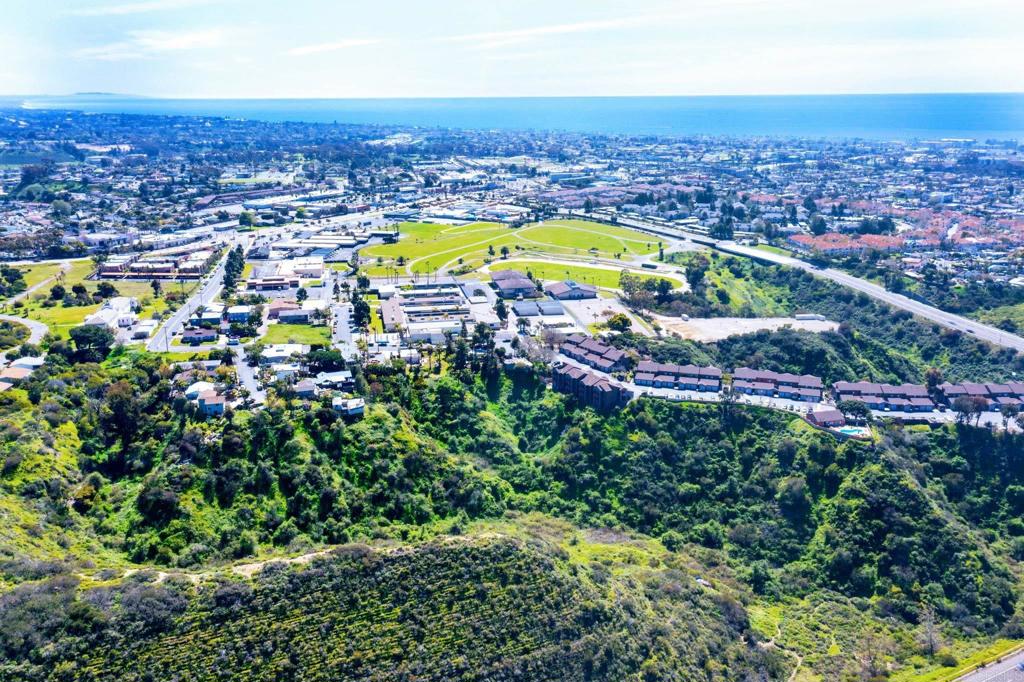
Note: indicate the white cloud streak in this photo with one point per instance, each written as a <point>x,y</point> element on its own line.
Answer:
<point>331,47</point>
<point>145,44</point>
<point>136,8</point>
<point>523,34</point>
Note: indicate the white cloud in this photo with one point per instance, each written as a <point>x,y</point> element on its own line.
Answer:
<point>523,34</point>
<point>136,8</point>
<point>144,44</point>
<point>331,47</point>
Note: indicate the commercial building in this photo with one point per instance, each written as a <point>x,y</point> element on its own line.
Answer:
<point>571,291</point>
<point>513,284</point>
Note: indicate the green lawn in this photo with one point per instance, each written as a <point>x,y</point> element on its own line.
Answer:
<point>61,319</point>
<point>600,277</point>
<point>427,247</point>
<point>297,333</point>
<point>34,274</point>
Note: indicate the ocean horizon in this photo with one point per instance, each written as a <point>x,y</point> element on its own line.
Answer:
<point>980,116</point>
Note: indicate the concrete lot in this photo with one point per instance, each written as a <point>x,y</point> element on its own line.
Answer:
<point>598,310</point>
<point>717,328</point>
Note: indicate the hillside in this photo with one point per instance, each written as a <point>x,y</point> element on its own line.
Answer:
<point>485,607</point>
<point>500,521</point>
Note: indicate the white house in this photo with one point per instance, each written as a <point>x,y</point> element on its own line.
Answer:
<point>349,407</point>
<point>280,352</point>
<point>117,312</point>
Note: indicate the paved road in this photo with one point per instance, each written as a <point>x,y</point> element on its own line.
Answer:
<point>37,330</point>
<point>949,320</point>
<point>982,331</point>
<point>247,377</point>
<point>1008,670</point>
<point>208,290</point>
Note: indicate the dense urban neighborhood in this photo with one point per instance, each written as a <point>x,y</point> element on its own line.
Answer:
<point>766,393</point>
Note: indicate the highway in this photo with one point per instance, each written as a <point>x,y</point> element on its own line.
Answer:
<point>977,329</point>
<point>984,332</point>
<point>1010,669</point>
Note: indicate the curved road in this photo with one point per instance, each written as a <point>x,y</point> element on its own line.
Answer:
<point>37,330</point>
<point>959,323</point>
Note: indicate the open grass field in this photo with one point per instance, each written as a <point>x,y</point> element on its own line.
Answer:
<point>426,247</point>
<point>297,333</point>
<point>61,319</point>
<point>605,278</point>
<point>34,274</point>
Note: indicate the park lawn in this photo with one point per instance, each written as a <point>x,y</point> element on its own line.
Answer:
<point>34,274</point>
<point>425,248</point>
<point>297,333</point>
<point>599,277</point>
<point>61,319</point>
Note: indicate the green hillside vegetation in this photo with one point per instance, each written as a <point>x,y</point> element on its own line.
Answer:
<point>475,607</point>
<point>874,341</point>
<point>512,534</point>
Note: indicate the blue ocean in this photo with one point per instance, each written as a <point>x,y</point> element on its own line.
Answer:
<point>904,117</point>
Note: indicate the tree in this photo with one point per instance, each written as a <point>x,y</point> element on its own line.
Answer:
<point>695,271</point>
<point>809,204</point>
<point>106,289</point>
<point>1008,412</point>
<point>57,292</point>
<point>245,218</point>
<point>969,407</point>
<point>931,639</point>
<point>818,226</point>
<point>301,295</point>
<point>155,284</point>
<point>619,322</point>
<point>854,409</point>
<point>504,252</point>
<point>92,342</point>
<point>501,310</point>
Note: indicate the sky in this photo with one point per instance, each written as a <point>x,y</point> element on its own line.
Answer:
<point>477,48</point>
